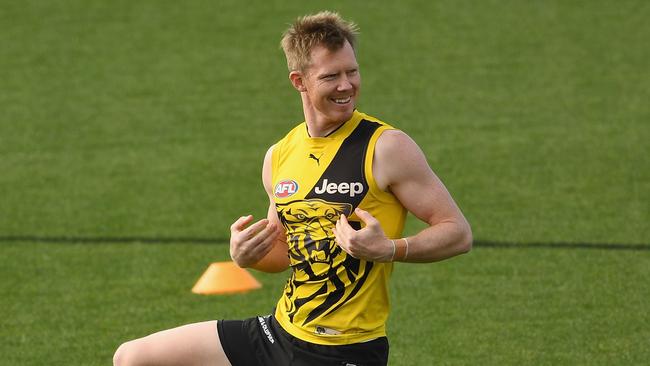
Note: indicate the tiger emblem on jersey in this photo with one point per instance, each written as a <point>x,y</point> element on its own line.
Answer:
<point>321,269</point>
<point>309,226</point>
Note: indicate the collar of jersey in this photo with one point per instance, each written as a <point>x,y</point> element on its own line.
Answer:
<point>340,132</point>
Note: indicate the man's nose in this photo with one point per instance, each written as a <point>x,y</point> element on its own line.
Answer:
<point>344,84</point>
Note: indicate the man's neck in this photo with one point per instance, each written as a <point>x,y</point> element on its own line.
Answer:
<point>318,130</point>
<point>317,124</point>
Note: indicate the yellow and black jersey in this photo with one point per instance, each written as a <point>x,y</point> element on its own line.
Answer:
<point>331,297</point>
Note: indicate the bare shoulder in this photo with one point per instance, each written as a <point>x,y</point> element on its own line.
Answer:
<point>267,169</point>
<point>392,138</point>
<point>269,155</point>
<point>401,167</point>
<point>397,145</point>
<point>398,157</point>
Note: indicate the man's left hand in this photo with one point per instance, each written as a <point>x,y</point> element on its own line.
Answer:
<point>369,243</point>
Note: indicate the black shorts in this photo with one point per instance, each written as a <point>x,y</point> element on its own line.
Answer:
<point>261,341</point>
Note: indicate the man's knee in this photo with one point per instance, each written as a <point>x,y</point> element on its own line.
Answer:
<point>127,354</point>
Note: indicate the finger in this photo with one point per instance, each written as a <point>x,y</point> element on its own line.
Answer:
<point>269,231</point>
<point>268,237</point>
<point>337,235</point>
<point>241,223</point>
<point>340,230</point>
<point>345,228</point>
<point>366,217</point>
<point>340,240</point>
<point>259,250</point>
<point>251,240</point>
<point>343,231</point>
<point>269,241</point>
<point>253,249</point>
<point>254,229</point>
<point>247,239</point>
<point>343,221</point>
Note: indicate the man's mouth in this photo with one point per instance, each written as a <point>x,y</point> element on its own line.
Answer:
<point>345,100</point>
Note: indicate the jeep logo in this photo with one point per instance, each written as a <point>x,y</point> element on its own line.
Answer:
<point>351,189</point>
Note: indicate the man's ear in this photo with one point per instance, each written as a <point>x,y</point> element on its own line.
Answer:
<point>297,80</point>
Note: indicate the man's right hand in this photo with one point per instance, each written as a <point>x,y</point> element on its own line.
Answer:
<point>248,245</point>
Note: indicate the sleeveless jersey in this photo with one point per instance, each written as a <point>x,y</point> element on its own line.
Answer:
<point>331,297</point>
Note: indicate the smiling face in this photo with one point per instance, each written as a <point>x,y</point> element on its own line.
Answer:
<point>329,86</point>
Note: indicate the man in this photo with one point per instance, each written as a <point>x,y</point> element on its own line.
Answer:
<point>339,187</point>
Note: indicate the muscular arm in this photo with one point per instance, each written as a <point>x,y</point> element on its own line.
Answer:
<point>400,166</point>
<point>262,245</point>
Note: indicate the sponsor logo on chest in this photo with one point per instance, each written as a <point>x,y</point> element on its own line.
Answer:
<point>352,189</point>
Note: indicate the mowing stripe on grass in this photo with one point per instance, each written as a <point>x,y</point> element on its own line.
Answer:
<point>216,240</point>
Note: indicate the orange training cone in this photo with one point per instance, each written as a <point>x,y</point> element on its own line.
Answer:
<point>225,278</point>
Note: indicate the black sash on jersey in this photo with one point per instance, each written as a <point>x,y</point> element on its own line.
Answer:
<point>348,165</point>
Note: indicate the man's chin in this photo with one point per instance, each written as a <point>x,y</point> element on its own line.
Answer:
<point>344,114</point>
<point>339,114</point>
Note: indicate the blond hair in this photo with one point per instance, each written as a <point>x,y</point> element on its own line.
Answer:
<point>325,28</point>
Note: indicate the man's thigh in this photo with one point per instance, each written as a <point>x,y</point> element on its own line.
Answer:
<point>195,344</point>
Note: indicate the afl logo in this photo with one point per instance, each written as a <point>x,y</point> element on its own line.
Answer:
<point>286,188</point>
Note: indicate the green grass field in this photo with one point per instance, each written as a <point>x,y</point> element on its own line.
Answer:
<point>132,135</point>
